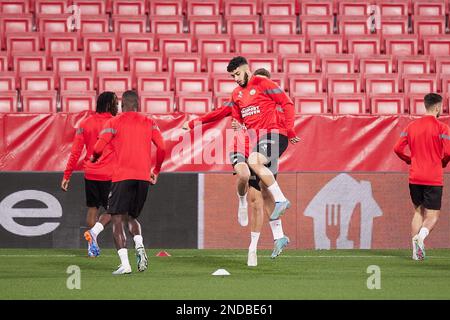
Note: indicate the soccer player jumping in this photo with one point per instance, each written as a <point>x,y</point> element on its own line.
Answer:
<point>429,143</point>
<point>254,104</point>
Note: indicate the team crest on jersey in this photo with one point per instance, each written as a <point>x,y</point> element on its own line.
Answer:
<point>252,92</point>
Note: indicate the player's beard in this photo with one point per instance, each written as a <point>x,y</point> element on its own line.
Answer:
<point>243,85</point>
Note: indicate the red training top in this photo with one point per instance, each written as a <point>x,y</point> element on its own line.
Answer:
<point>429,143</point>
<point>86,135</point>
<point>130,135</point>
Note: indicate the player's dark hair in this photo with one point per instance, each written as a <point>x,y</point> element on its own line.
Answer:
<point>431,99</point>
<point>236,62</point>
<point>105,102</point>
<point>130,101</point>
<point>262,72</point>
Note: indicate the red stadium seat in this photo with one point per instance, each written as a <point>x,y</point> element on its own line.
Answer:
<point>166,25</point>
<point>3,61</point>
<point>22,42</point>
<point>195,102</point>
<point>218,63</point>
<point>116,82</point>
<point>188,82</point>
<point>317,7</point>
<point>14,6</point>
<point>445,83</point>
<point>429,8</point>
<point>184,62</point>
<point>426,25</point>
<point>157,102</point>
<point>14,24</point>
<point>280,26</point>
<point>8,101</point>
<point>68,62</point>
<point>78,101</point>
<point>353,8</point>
<point>397,25</point>
<point>60,43</point>
<point>413,64</point>
<point>311,104</point>
<point>153,82</point>
<point>94,24</point>
<point>106,62</point>
<point>316,25</point>
<point>221,100</point>
<point>376,64</point>
<point>343,63</point>
<point>424,83</point>
<point>200,25</point>
<point>50,6</point>
<point>363,45</point>
<point>305,63</point>
<point>129,24</point>
<point>324,45</point>
<point>279,7</point>
<point>98,43</point>
<point>166,8</point>
<point>39,101</point>
<point>393,7</point>
<point>29,62</point>
<point>403,45</point>
<point>38,81</point>
<point>340,84</point>
<point>436,45</point>
<point>76,81</point>
<point>8,81</point>
<point>350,25</point>
<point>385,104</point>
<point>256,44</point>
<point>382,83</point>
<point>415,103</point>
<point>442,65</point>
<point>129,7</point>
<point>288,45</point>
<point>267,61</point>
<point>212,45</point>
<point>202,8</point>
<point>168,44</point>
<point>91,7</point>
<point>52,23</point>
<point>223,84</point>
<point>279,79</point>
<point>243,25</point>
<point>302,84</point>
<point>145,63</point>
<point>136,43</point>
<point>349,104</point>
<point>240,8</point>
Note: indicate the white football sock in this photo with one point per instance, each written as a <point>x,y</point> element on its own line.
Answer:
<point>254,241</point>
<point>276,192</point>
<point>242,200</point>
<point>97,228</point>
<point>277,229</point>
<point>138,241</point>
<point>123,255</point>
<point>423,233</point>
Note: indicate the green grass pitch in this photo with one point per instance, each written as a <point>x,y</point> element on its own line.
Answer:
<point>186,275</point>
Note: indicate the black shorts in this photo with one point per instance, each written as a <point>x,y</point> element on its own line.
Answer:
<point>97,193</point>
<point>128,197</point>
<point>427,196</point>
<point>272,146</point>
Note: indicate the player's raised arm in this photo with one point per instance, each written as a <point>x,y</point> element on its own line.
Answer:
<point>400,147</point>
<point>106,135</point>
<point>77,148</point>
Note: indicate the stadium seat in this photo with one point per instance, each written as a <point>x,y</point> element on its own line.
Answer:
<point>189,82</point>
<point>240,8</point>
<point>8,81</point>
<point>91,7</point>
<point>145,63</point>
<point>445,83</point>
<point>391,26</point>
<point>168,44</point>
<point>385,104</point>
<point>302,84</point>
<point>166,8</point>
<point>266,61</point>
<point>68,62</point>
<point>184,62</point>
<point>203,8</point>
<point>194,102</point>
<point>154,82</point>
<point>115,82</point>
<point>323,45</point>
<point>157,102</point>
<point>78,101</point>
<point>316,25</point>
<point>399,8</point>
<point>343,84</point>
<point>13,24</point>
<point>221,99</point>
<point>256,44</point>
<point>413,64</point>
<point>382,83</point>
<point>423,83</point>
<point>343,63</point>
<point>442,65</point>
<point>415,103</point>
<point>288,45</point>
<point>76,81</point>
<point>98,43</point>
<point>14,6</point>
<point>199,25</point>
<point>129,24</point>
<point>39,101</point>
<point>60,43</point>
<point>94,24</point>
<point>426,25</point>
<point>280,79</point>
<point>51,6</point>
<point>349,25</point>
<point>106,62</point>
<point>279,7</point>
<point>280,26</point>
<point>212,45</point>
<point>223,84</point>
<point>348,103</point>
<point>166,25</point>
<point>136,43</point>
<point>401,45</point>
<point>436,45</point>
<point>353,8</point>
<point>129,7</point>
<point>243,25</point>
<point>317,7</point>
<point>429,8</point>
<point>29,62</point>
<point>218,63</point>
<point>8,101</point>
<point>22,42</point>
<point>360,46</point>
<point>37,81</point>
<point>305,63</point>
<point>375,64</point>
<point>4,65</point>
<point>52,23</point>
<point>311,104</point>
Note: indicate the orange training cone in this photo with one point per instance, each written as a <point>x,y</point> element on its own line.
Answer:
<point>163,254</point>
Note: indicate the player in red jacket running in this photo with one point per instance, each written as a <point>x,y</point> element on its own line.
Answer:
<point>429,143</point>
<point>98,175</point>
<point>254,104</point>
<point>130,135</point>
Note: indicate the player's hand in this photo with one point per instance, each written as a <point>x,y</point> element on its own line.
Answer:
<point>153,178</point>
<point>186,126</point>
<point>65,184</point>
<point>236,125</point>
<point>294,140</point>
